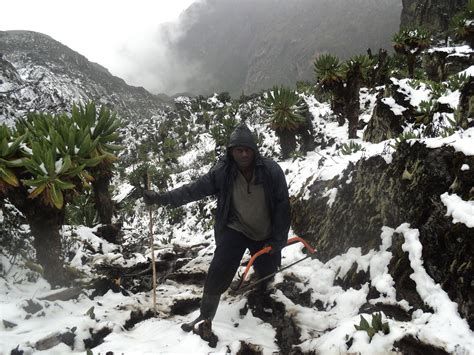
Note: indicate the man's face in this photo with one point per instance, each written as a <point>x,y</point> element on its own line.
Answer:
<point>243,156</point>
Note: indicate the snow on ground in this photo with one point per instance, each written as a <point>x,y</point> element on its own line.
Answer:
<point>461,141</point>
<point>417,95</point>
<point>461,211</point>
<point>122,192</point>
<point>325,331</point>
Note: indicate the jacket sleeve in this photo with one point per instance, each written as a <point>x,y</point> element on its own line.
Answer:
<point>204,186</point>
<point>281,219</point>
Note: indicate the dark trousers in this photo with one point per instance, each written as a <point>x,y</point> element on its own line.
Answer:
<point>230,248</point>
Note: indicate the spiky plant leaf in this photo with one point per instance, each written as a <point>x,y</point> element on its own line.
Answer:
<point>55,195</point>
<point>8,177</point>
<point>38,190</point>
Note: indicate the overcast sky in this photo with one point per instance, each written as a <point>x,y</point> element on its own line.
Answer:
<point>121,35</point>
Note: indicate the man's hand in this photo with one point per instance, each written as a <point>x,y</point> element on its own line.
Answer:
<point>275,247</point>
<point>151,197</point>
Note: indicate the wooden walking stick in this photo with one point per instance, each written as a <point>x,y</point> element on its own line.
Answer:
<point>153,265</point>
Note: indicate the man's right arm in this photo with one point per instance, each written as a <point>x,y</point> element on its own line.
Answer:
<point>204,186</point>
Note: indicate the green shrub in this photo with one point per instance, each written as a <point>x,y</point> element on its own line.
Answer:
<point>81,210</point>
<point>462,24</point>
<point>350,148</point>
<point>404,137</point>
<point>454,125</point>
<point>376,325</point>
<point>456,82</point>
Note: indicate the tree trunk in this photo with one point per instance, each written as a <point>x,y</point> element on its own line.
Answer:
<point>380,74</point>
<point>338,104</point>
<point>45,223</point>
<point>352,104</point>
<point>103,202</point>
<point>411,60</point>
<point>287,143</point>
<point>306,132</point>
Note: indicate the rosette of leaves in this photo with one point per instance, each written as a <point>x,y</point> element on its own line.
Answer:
<point>453,125</point>
<point>365,64</point>
<point>425,112</point>
<point>350,148</point>
<point>51,173</point>
<point>410,42</point>
<point>103,129</point>
<point>55,154</point>
<point>328,70</point>
<point>286,109</point>
<point>286,115</point>
<point>343,80</point>
<point>457,82</point>
<point>403,137</point>
<point>413,39</point>
<point>222,130</point>
<point>463,24</point>
<point>9,158</point>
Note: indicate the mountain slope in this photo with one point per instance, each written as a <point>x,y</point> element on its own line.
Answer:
<point>256,44</point>
<point>39,73</point>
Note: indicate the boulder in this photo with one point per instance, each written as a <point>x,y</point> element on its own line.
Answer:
<point>373,193</point>
<point>466,104</point>
<point>384,124</point>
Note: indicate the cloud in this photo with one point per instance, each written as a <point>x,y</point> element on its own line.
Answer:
<point>152,61</point>
<point>128,38</point>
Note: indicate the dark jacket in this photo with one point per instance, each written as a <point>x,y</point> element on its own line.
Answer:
<point>218,181</point>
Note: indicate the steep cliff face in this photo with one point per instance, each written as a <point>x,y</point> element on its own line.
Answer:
<point>252,45</point>
<point>411,189</point>
<point>432,14</point>
<point>39,73</point>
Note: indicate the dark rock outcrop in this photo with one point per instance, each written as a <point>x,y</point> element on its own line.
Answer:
<point>466,104</point>
<point>407,190</point>
<point>440,63</point>
<point>384,124</point>
<point>434,15</point>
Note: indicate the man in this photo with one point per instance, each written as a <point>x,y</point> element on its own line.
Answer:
<point>252,212</point>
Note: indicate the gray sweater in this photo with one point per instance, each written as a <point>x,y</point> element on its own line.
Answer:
<point>249,212</point>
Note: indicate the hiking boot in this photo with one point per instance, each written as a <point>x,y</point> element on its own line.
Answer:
<point>209,304</point>
<point>204,330</point>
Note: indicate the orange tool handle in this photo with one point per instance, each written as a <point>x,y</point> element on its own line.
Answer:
<point>268,249</point>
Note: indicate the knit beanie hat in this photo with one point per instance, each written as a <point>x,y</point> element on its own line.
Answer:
<point>242,137</point>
